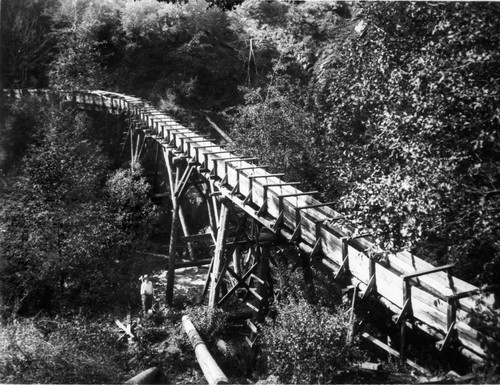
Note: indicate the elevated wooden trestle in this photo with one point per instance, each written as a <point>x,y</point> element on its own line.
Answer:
<point>418,294</point>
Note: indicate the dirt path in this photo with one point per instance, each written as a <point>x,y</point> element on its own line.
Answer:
<point>188,285</point>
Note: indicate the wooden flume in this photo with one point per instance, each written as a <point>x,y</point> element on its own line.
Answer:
<point>418,293</point>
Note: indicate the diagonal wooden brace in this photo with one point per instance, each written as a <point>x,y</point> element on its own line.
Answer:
<point>449,337</point>
<point>345,257</point>
<point>241,282</point>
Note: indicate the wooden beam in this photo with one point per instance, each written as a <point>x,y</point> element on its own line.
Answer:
<point>450,335</point>
<point>218,256</point>
<point>350,335</point>
<point>428,271</point>
<point>390,350</point>
<point>172,254</point>
<point>369,288</point>
<point>241,282</point>
<point>174,232</point>
<point>278,175</point>
<point>127,329</point>
<point>345,258</point>
<point>221,133</point>
<point>404,312</point>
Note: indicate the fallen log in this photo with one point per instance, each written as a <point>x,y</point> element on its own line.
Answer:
<point>211,370</point>
<point>148,376</point>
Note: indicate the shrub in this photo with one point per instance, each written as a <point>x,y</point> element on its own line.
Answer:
<point>58,351</point>
<point>208,322</point>
<point>307,344</point>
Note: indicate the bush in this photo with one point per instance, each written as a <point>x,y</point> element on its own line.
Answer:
<point>208,322</point>
<point>58,351</point>
<point>307,344</point>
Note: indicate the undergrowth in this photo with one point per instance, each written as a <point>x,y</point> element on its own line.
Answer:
<point>307,343</point>
<point>59,351</point>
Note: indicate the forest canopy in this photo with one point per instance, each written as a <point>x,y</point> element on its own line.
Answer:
<point>389,109</point>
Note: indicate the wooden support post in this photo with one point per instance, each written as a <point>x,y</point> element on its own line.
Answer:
<point>218,256</point>
<point>132,156</point>
<point>175,201</point>
<point>157,155</point>
<point>262,287</point>
<point>451,321</point>
<point>305,262</point>
<point>172,254</point>
<point>210,209</point>
<point>350,336</point>
<point>214,205</point>
<point>407,304</point>
<point>173,234</point>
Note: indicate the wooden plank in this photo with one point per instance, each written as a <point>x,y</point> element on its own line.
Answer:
<point>252,327</point>
<point>387,281</point>
<point>429,271</point>
<point>470,338</point>
<point>218,256</point>
<point>127,329</point>
<point>390,350</point>
<point>252,307</point>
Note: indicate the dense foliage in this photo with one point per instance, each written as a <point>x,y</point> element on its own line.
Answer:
<point>411,112</point>
<point>405,139</point>
<point>66,232</point>
<point>307,344</point>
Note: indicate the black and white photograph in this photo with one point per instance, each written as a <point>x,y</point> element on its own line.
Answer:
<point>257,192</point>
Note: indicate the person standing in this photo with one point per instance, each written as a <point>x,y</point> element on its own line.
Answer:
<point>147,293</point>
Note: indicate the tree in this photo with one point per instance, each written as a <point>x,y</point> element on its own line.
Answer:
<point>406,140</point>
<point>417,133</point>
<point>66,239</point>
<point>27,42</point>
<point>87,39</point>
<point>279,132</point>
